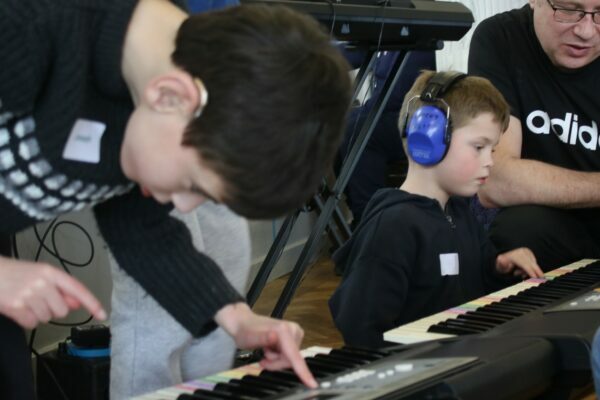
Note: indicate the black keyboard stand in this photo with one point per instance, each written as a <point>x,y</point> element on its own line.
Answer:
<point>326,201</point>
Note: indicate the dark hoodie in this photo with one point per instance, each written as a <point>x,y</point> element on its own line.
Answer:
<point>399,265</point>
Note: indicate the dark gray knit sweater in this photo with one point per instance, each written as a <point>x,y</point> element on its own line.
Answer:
<point>61,91</point>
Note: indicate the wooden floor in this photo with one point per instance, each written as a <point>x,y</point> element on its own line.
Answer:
<point>309,306</point>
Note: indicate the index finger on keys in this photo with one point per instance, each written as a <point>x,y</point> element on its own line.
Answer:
<point>538,271</point>
<point>290,351</point>
<point>71,287</point>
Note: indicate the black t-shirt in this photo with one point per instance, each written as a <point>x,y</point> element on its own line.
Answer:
<point>559,110</point>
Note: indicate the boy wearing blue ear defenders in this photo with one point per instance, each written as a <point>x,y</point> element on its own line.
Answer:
<point>418,249</point>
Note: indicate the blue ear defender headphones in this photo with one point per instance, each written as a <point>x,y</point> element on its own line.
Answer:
<point>429,129</point>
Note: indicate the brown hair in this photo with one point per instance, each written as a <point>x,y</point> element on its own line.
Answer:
<point>467,98</point>
<point>278,95</point>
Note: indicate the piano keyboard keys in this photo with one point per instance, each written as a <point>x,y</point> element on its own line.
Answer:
<point>406,372</point>
<point>250,382</point>
<point>321,365</point>
<point>498,307</point>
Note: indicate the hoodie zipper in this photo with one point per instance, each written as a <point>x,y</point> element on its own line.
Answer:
<point>449,218</point>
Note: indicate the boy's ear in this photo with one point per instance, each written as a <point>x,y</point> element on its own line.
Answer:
<point>176,92</point>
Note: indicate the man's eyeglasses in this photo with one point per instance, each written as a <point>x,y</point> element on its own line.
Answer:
<point>572,15</point>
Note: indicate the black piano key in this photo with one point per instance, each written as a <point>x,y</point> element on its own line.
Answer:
<point>549,292</point>
<point>338,366</point>
<point>279,384</point>
<point>356,355</point>
<point>200,396</point>
<point>441,327</point>
<point>557,286</point>
<point>318,372</point>
<point>452,329</point>
<point>566,291</point>
<point>364,350</point>
<point>203,394</point>
<point>594,273</point>
<point>238,389</point>
<point>286,375</point>
<point>591,272</point>
<point>461,323</point>
<point>267,389</point>
<point>507,305</point>
<point>574,287</point>
<point>186,396</point>
<point>342,361</point>
<point>320,368</point>
<point>504,309</point>
<point>564,284</point>
<point>539,293</point>
<point>345,358</point>
<point>482,318</point>
<point>524,302</point>
<point>580,282</point>
<point>492,315</point>
<point>494,309</point>
<point>512,302</point>
<point>529,300</point>
<point>520,306</point>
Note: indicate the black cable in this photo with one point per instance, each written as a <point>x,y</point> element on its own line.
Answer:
<point>64,262</point>
<point>53,227</point>
<point>54,251</point>
<point>42,240</point>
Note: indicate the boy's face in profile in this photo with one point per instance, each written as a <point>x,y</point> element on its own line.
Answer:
<point>467,164</point>
<point>152,156</point>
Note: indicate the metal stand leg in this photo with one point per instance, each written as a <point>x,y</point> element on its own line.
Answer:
<point>356,150</point>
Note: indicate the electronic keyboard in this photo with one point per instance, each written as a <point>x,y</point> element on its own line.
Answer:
<point>563,307</point>
<point>386,25</point>
<point>513,344</point>
<point>454,369</point>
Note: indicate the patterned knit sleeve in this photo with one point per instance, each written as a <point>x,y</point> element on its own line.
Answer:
<point>157,251</point>
<point>22,57</point>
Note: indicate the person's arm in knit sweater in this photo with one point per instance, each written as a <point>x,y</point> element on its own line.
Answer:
<point>30,293</point>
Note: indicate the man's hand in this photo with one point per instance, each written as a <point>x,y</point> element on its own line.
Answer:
<point>521,262</point>
<point>31,293</point>
<point>279,340</point>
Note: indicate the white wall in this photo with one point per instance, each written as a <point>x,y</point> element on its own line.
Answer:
<point>454,55</point>
<point>73,245</point>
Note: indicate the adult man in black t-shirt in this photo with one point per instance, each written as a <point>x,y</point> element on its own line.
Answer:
<point>544,58</point>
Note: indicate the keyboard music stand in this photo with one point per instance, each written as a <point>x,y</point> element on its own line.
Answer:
<point>326,201</point>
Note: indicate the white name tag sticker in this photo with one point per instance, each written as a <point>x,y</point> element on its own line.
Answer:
<point>84,141</point>
<point>449,264</point>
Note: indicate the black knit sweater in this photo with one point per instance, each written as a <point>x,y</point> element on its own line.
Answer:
<point>60,67</point>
